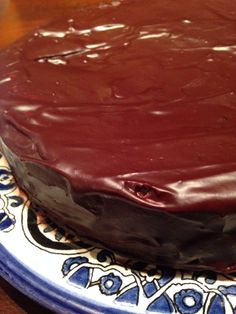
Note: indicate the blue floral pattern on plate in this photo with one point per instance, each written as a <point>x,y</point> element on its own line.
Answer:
<point>106,279</point>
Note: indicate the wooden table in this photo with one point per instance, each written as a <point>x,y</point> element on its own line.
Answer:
<point>17,17</point>
<point>14,302</point>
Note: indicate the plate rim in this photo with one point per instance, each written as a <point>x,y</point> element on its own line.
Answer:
<point>44,292</point>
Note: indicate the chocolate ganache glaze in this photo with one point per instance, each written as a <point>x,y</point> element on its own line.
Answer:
<point>120,121</point>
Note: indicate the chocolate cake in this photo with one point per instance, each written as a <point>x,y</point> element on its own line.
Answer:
<point>120,122</point>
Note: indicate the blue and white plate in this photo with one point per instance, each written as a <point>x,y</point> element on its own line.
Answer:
<point>68,276</point>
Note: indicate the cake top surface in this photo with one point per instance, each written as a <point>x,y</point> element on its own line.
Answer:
<point>135,98</point>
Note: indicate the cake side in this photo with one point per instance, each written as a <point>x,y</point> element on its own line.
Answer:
<point>191,240</point>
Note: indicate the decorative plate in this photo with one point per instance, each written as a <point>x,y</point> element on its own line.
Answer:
<point>69,276</point>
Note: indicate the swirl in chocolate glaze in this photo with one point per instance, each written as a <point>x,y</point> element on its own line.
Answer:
<point>121,120</point>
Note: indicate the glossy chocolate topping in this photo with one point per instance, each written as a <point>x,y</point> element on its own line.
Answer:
<point>135,100</point>
<point>131,94</point>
